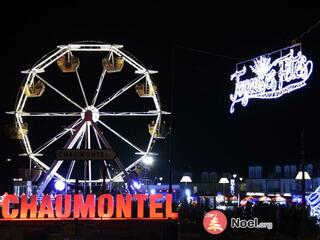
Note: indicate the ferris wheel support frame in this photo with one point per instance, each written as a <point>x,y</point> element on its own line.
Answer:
<point>81,130</point>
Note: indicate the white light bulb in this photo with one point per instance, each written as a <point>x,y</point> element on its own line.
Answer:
<point>148,160</point>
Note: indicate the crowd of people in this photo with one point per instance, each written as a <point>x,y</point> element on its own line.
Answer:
<point>289,220</point>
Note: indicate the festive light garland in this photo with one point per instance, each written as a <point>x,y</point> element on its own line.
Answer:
<point>271,79</point>
<point>314,202</point>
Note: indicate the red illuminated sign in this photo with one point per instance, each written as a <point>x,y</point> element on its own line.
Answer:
<point>76,207</point>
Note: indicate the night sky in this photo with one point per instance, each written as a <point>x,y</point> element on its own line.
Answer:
<point>195,48</point>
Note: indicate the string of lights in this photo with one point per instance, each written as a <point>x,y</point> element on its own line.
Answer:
<point>210,53</point>
<point>294,41</point>
<point>309,30</point>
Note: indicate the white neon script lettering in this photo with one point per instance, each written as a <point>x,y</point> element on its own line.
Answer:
<point>272,78</point>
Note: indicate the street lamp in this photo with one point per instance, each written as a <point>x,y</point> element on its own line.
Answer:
<point>186,179</point>
<point>300,177</point>
<point>223,180</point>
<point>303,176</point>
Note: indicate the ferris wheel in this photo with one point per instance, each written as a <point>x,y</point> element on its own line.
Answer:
<point>57,108</point>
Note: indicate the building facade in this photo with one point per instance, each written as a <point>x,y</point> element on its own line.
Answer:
<point>282,179</point>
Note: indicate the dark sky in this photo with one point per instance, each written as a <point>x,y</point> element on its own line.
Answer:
<point>195,48</point>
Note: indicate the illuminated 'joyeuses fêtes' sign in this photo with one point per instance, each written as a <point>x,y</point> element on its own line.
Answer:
<point>75,207</point>
<point>269,77</point>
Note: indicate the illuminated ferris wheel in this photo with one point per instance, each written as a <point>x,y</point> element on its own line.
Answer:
<point>64,106</point>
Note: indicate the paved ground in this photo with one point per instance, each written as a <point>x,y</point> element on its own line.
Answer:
<point>125,230</point>
<point>93,230</point>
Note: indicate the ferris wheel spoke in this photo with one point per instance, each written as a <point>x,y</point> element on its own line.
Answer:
<point>73,161</point>
<point>121,91</point>
<point>47,114</point>
<point>108,171</point>
<point>97,138</point>
<point>119,175</point>
<point>59,92</point>
<point>98,87</point>
<point>57,137</point>
<point>107,145</point>
<point>121,137</point>
<point>133,114</point>
<point>82,90</point>
<point>100,147</point>
<point>88,138</point>
<point>152,139</point>
<point>44,166</point>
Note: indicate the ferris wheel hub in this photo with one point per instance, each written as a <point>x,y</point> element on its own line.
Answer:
<point>90,113</point>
